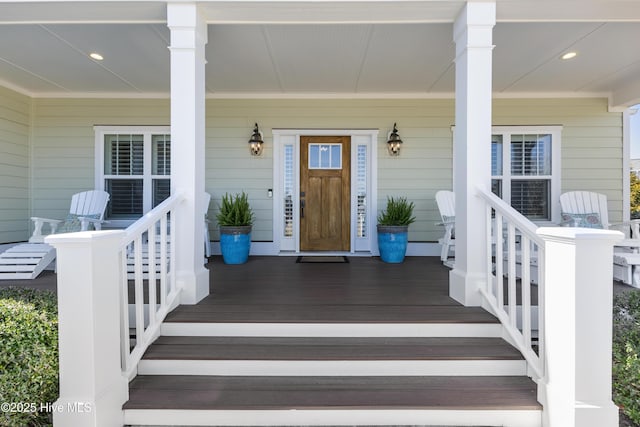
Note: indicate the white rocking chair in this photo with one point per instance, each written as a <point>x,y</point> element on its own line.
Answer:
<point>27,260</point>
<point>447,206</point>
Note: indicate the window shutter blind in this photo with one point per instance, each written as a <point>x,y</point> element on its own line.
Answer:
<point>126,198</point>
<point>531,198</point>
<point>125,155</point>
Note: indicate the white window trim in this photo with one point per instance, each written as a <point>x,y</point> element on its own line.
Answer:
<point>147,131</point>
<point>556,157</point>
<point>282,137</point>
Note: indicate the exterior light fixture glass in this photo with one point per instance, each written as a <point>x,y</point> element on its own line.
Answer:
<point>394,142</point>
<point>96,56</point>
<point>255,142</point>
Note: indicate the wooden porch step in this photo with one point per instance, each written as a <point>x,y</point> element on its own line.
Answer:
<point>307,401</point>
<point>328,313</point>
<point>288,348</point>
<point>331,356</point>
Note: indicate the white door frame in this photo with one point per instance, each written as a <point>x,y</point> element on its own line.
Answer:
<point>291,138</point>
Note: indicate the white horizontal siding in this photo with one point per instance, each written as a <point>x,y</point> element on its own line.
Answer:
<point>63,146</point>
<point>423,167</point>
<point>14,166</point>
<point>591,142</point>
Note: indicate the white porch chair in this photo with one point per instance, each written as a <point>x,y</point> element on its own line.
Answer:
<point>445,200</point>
<point>28,260</point>
<point>588,209</point>
<point>87,208</point>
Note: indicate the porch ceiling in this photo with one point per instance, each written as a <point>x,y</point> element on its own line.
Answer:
<point>299,48</point>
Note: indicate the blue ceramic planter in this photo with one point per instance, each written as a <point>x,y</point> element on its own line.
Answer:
<point>392,243</point>
<point>235,243</point>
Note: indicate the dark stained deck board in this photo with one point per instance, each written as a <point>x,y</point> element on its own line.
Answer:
<point>278,348</point>
<point>365,290</point>
<point>371,393</point>
<point>318,313</point>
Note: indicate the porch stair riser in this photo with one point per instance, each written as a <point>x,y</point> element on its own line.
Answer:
<point>280,376</point>
<point>354,356</point>
<point>331,418</point>
<point>335,368</point>
<point>332,329</point>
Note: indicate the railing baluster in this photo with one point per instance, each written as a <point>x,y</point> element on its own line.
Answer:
<point>164,216</point>
<point>152,275</point>
<point>509,225</point>
<point>172,251</point>
<point>163,260</point>
<point>497,235</point>
<point>512,288</point>
<point>125,337</point>
<point>525,290</point>
<point>139,290</point>
<point>489,239</point>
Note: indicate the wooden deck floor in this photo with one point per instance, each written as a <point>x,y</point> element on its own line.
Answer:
<point>277,289</point>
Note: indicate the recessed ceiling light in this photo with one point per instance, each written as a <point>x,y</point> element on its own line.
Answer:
<point>569,55</point>
<point>96,56</point>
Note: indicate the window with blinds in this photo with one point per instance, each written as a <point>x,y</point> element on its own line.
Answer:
<point>137,169</point>
<point>522,170</point>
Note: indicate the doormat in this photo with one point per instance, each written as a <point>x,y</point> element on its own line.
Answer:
<point>322,259</point>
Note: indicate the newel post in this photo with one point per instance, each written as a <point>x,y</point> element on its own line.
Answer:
<point>577,301</point>
<point>92,387</point>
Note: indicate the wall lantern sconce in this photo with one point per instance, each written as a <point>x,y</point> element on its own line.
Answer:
<point>255,142</point>
<point>394,142</point>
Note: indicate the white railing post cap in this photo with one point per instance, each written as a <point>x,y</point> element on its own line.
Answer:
<point>579,233</point>
<point>83,236</point>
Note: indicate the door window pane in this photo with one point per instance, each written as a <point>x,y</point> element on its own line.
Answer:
<point>325,156</point>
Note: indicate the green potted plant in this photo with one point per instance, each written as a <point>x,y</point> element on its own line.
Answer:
<point>235,219</point>
<point>393,229</point>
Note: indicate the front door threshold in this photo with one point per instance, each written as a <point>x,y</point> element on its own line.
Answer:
<point>326,253</point>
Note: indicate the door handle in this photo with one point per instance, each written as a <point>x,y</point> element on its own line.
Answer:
<point>301,208</point>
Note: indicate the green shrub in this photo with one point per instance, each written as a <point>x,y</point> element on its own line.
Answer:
<point>28,355</point>
<point>235,210</point>
<point>626,351</point>
<point>398,212</point>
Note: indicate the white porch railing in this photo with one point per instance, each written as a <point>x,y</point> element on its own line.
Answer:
<point>97,359</point>
<point>516,255</point>
<point>571,269</point>
<point>147,258</point>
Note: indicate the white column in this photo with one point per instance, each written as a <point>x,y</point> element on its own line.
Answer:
<point>577,335</point>
<point>188,39</point>
<point>472,148</point>
<point>92,386</point>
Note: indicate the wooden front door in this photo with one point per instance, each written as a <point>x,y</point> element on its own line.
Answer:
<point>325,199</point>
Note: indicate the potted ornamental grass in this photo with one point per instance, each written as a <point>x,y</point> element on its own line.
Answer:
<point>235,219</point>
<point>393,229</point>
